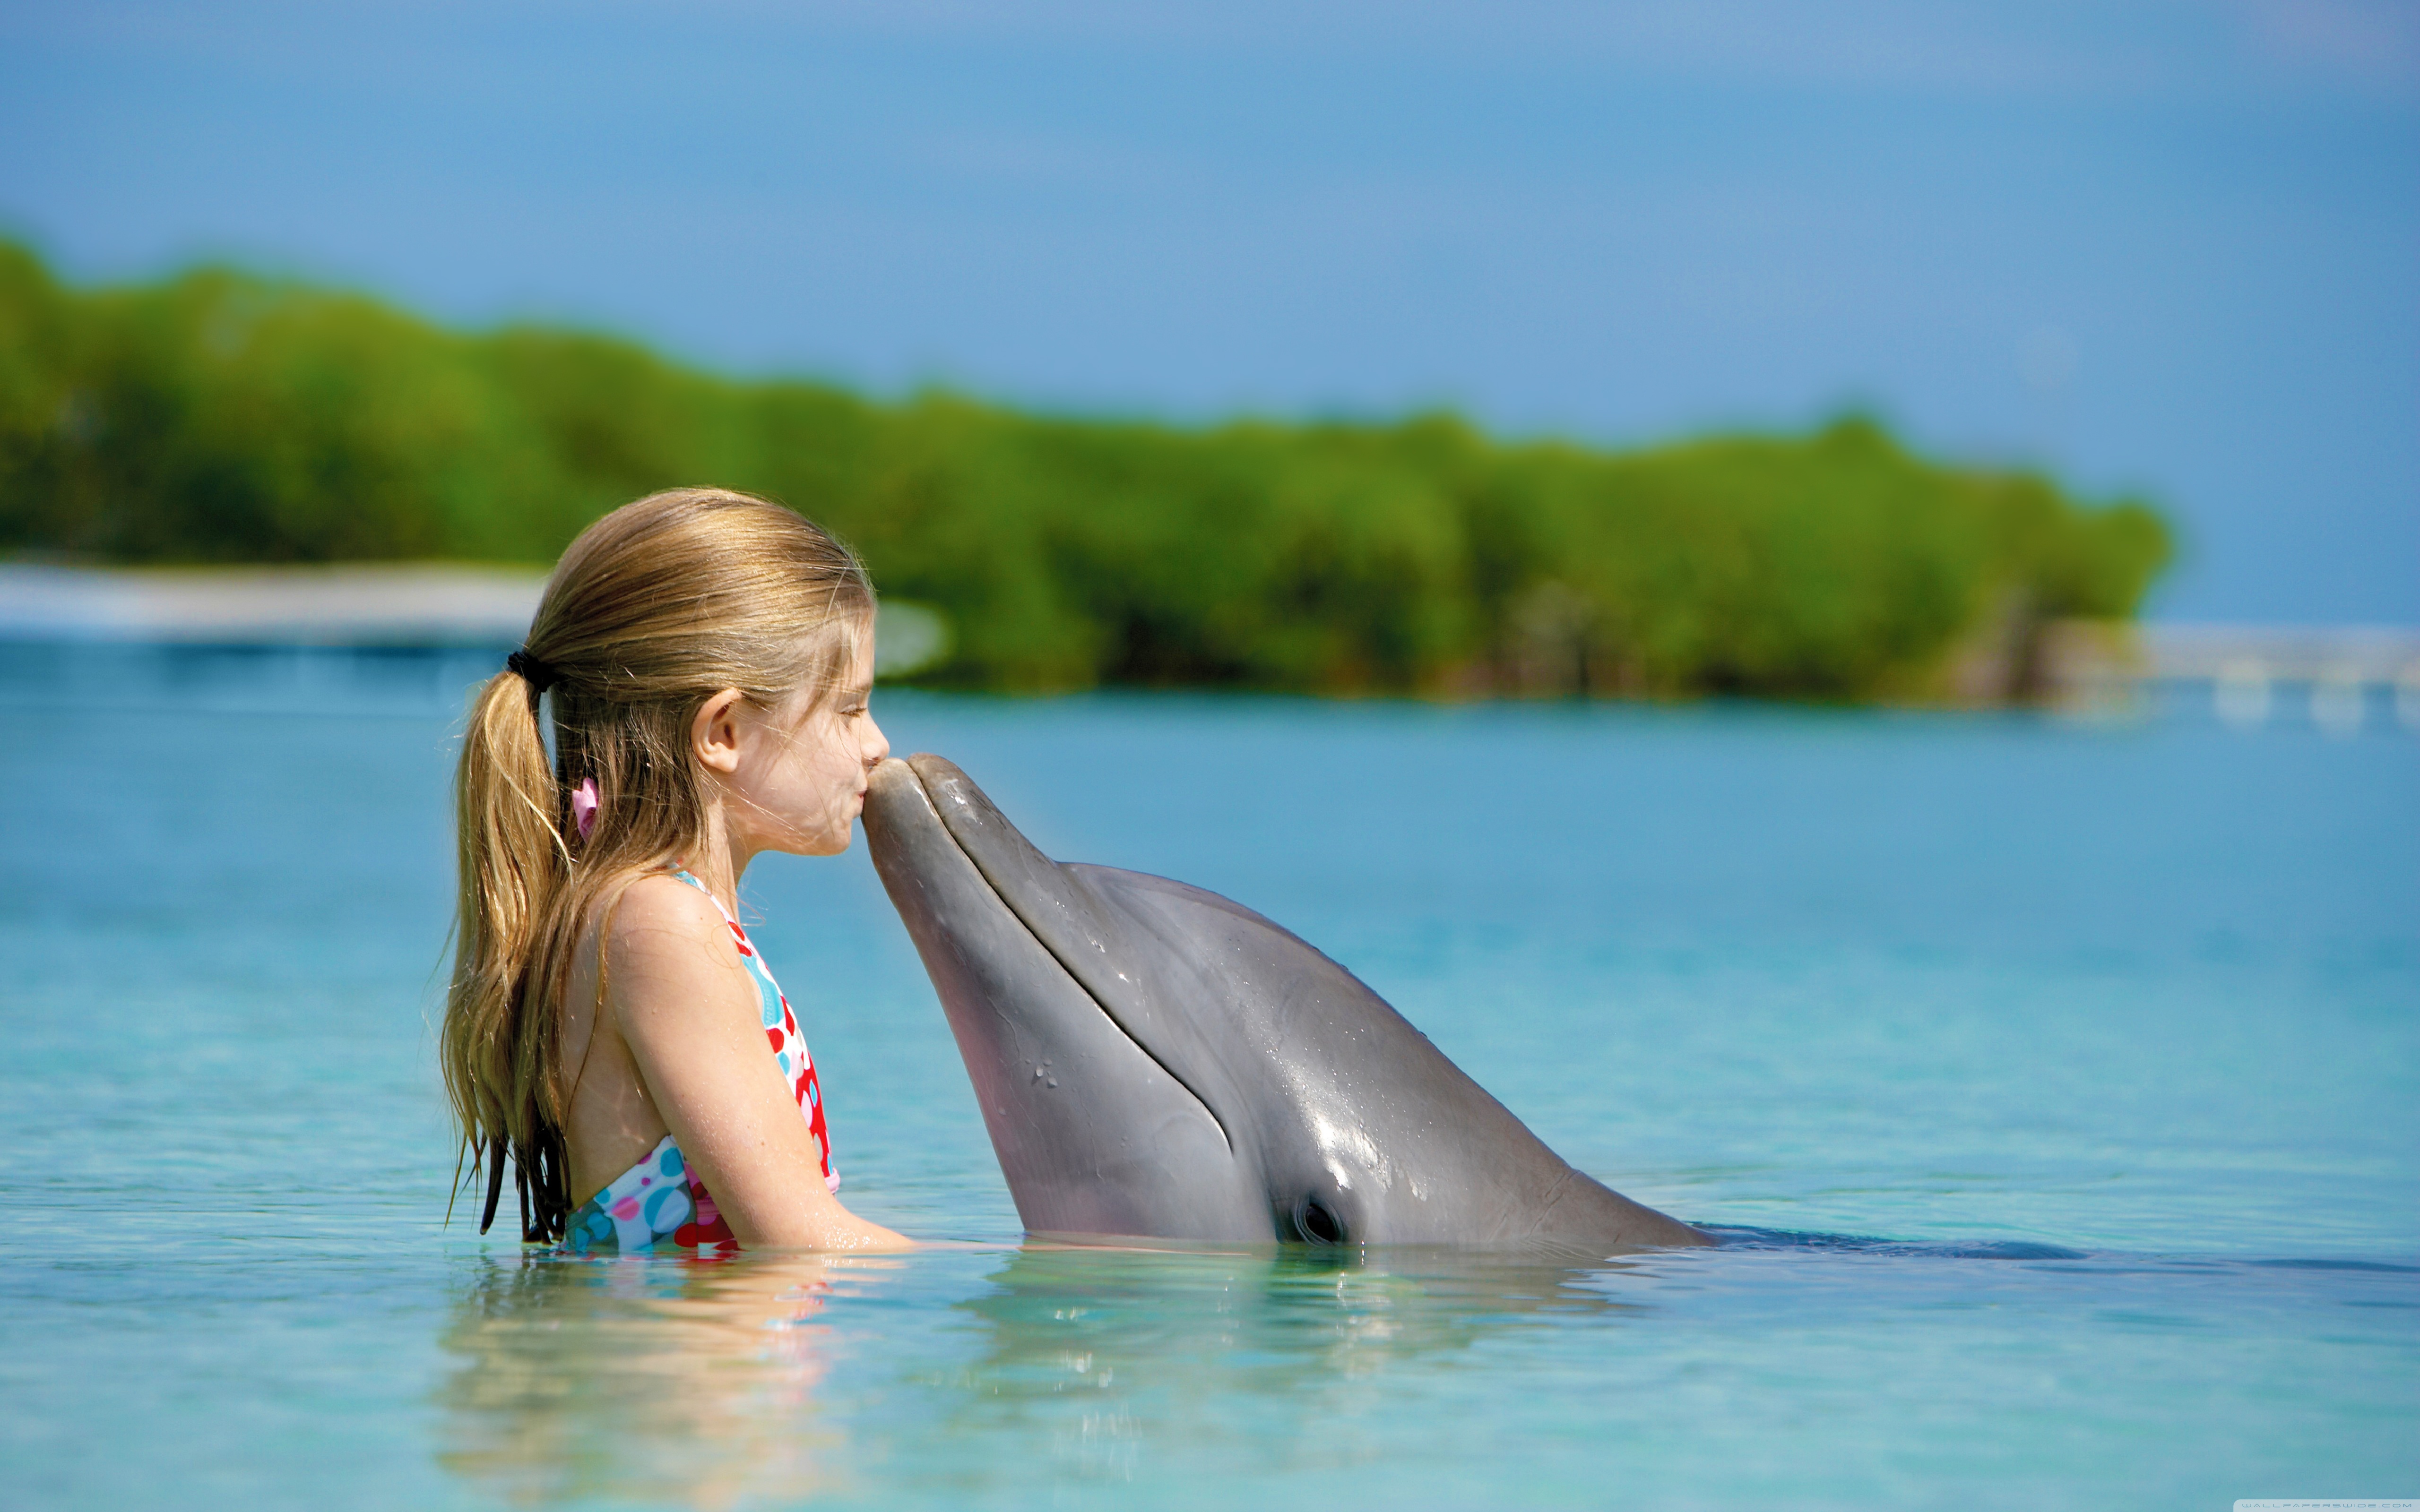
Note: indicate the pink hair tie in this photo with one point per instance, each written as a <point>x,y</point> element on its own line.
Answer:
<point>584,805</point>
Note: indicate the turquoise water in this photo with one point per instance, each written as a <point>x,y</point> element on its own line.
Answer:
<point>2112,1032</point>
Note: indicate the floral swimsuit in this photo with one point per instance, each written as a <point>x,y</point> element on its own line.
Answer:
<point>660,1202</point>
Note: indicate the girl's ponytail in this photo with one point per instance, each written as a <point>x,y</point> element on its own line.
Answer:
<point>512,863</point>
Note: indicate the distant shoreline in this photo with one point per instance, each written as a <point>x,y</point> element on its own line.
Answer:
<point>434,605</point>
<point>349,604</point>
<point>426,604</point>
<point>215,416</point>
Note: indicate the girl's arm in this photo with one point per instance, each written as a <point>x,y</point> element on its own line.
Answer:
<point>688,1010</point>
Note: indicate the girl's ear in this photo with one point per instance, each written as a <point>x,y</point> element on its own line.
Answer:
<point>713,734</point>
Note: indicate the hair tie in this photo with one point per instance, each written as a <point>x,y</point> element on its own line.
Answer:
<point>531,670</point>
<point>584,805</point>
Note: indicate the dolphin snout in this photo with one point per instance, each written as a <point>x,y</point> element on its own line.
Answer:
<point>892,794</point>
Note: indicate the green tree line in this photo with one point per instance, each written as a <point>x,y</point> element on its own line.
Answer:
<point>216,416</point>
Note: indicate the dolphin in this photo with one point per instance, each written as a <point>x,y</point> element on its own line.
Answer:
<point>1156,1061</point>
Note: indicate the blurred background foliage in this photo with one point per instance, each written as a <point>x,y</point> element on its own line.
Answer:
<point>217,417</point>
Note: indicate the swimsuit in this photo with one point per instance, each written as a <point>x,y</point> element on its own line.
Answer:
<point>660,1202</point>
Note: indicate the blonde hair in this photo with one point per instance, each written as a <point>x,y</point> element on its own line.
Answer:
<point>654,610</point>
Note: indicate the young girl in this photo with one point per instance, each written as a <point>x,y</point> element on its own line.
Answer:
<point>708,658</point>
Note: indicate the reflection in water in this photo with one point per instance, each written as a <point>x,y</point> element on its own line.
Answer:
<point>664,1380</point>
<point>1097,1351</point>
<point>704,1383</point>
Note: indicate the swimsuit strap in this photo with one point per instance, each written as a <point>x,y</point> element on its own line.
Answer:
<point>685,875</point>
<point>781,1032</point>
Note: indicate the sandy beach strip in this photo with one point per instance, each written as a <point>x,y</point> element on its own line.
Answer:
<point>399,604</point>
<point>360,604</point>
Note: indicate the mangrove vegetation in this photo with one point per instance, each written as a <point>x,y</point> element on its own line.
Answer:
<point>220,417</point>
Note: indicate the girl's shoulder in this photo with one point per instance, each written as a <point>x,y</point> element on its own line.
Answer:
<point>658,923</point>
<point>662,896</point>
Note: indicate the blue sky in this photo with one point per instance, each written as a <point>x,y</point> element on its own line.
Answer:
<point>2168,247</point>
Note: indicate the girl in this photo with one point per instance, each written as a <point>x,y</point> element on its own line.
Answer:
<point>709,657</point>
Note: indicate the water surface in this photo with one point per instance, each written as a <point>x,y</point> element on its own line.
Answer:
<point>2099,1042</point>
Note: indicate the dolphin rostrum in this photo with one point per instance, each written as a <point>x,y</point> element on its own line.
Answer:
<point>1153,1060</point>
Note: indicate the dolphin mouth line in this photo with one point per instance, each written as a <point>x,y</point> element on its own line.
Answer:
<point>1035,936</point>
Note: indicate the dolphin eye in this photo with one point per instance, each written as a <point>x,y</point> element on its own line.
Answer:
<point>1317,1223</point>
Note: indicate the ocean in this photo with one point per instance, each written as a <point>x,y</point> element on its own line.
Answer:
<point>2054,1081</point>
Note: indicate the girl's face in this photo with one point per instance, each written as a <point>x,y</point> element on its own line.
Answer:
<point>799,779</point>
